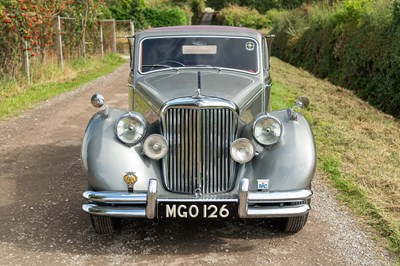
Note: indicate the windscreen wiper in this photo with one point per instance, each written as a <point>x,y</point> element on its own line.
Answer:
<point>210,66</point>
<point>158,66</point>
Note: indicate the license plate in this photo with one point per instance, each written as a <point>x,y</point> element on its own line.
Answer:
<point>197,210</point>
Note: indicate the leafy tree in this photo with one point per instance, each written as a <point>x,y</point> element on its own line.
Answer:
<point>220,4</point>
<point>120,9</point>
<point>261,6</point>
<point>137,13</point>
<point>396,14</point>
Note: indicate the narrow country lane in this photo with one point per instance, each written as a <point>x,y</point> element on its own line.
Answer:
<point>42,222</point>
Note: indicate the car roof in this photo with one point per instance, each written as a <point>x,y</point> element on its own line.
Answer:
<point>200,30</point>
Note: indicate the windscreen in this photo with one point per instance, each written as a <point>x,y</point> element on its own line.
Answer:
<point>220,52</point>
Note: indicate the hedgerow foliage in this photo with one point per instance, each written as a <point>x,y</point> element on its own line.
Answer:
<point>235,15</point>
<point>355,45</point>
<point>165,17</point>
<point>34,22</point>
<point>260,5</point>
<point>160,13</point>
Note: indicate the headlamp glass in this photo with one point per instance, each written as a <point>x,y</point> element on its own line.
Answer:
<point>155,146</point>
<point>130,128</point>
<point>242,150</point>
<point>267,130</point>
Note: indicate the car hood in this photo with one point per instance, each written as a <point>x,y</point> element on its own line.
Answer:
<point>161,87</point>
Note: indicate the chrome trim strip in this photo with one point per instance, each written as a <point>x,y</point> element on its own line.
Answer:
<point>115,197</point>
<point>197,164</point>
<point>255,212</point>
<point>142,198</point>
<point>243,196</point>
<point>133,212</point>
<point>251,212</point>
<point>131,92</point>
<point>151,200</point>
<point>200,103</point>
<point>288,196</point>
<point>267,91</point>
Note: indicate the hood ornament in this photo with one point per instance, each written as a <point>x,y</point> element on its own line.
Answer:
<point>198,94</point>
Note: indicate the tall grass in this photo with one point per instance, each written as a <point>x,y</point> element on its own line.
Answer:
<point>357,147</point>
<point>48,80</point>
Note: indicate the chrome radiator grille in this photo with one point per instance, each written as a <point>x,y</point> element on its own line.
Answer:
<point>198,159</point>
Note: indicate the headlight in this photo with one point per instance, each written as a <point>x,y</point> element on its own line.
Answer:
<point>130,128</point>
<point>155,146</point>
<point>267,130</point>
<point>242,150</point>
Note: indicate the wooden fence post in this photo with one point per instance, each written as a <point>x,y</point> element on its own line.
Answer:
<point>84,39</point>
<point>27,62</point>
<point>132,27</point>
<point>101,39</point>
<point>114,37</point>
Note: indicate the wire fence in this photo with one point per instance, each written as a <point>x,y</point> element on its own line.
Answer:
<point>68,39</point>
<point>107,37</point>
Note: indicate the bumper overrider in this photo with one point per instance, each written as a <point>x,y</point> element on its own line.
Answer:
<point>246,205</point>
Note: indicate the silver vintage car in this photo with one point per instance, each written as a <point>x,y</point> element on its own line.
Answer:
<point>200,140</point>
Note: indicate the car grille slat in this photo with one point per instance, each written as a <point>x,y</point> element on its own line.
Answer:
<point>198,159</point>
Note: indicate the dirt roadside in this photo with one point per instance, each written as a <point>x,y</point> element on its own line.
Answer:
<point>42,221</point>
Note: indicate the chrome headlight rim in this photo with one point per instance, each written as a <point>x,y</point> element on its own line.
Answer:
<point>133,116</point>
<point>260,119</point>
<point>243,140</point>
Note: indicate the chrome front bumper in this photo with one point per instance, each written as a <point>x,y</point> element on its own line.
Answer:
<point>251,204</point>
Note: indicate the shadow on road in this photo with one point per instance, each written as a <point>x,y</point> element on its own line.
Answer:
<point>41,211</point>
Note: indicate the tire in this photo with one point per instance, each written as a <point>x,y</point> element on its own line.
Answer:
<point>105,224</point>
<point>294,224</point>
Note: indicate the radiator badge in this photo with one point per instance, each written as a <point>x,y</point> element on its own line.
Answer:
<point>130,179</point>
<point>263,184</point>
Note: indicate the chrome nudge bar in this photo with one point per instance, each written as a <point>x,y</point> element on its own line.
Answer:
<point>250,204</point>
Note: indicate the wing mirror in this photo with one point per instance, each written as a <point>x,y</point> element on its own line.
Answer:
<point>98,101</point>
<point>302,103</point>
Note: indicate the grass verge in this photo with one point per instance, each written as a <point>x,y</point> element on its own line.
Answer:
<point>49,81</point>
<point>357,145</point>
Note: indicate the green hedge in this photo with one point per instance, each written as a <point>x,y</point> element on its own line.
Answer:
<point>235,15</point>
<point>356,45</point>
<point>165,17</point>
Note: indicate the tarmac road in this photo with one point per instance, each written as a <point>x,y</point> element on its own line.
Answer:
<point>42,222</point>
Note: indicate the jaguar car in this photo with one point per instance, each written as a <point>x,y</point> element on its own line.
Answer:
<point>200,139</point>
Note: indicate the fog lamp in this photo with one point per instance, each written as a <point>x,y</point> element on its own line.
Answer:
<point>242,150</point>
<point>155,146</point>
<point>267,130</point>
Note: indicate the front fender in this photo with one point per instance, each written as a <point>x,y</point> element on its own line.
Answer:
<point>106,159</point>
<point>289,164</point>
